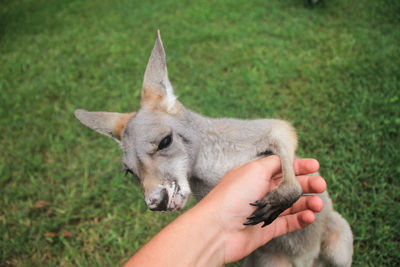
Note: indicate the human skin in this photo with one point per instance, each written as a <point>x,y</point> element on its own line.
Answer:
<point>212,232</point>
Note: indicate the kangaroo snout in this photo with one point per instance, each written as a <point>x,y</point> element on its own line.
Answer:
<point>158,201</point>
<point>166,198</point>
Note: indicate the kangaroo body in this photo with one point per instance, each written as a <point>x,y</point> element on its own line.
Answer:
<point>228,143</point>
<point>175,151</point>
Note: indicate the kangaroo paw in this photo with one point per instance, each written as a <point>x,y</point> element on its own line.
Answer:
<point>273,204</point>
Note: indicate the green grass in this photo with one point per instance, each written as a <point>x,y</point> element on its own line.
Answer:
<point>333,70</point>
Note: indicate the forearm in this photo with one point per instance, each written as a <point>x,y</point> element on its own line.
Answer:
<point>190,240</point>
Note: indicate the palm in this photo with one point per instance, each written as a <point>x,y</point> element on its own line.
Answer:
<point>249,183</point>
<point>252,187</point>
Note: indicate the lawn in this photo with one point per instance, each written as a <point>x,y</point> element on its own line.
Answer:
<point>332,70</point>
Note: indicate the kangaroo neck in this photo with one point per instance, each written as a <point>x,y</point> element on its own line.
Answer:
<point>209,145</point>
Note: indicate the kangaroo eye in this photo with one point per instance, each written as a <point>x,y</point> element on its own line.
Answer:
<point>165,142</point>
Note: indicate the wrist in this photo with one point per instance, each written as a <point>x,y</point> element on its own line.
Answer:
<point>207,228</point>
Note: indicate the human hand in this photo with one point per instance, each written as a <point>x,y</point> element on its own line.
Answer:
<point>230,199</point>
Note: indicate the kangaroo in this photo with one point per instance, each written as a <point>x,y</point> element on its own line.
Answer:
<point>174,151</point>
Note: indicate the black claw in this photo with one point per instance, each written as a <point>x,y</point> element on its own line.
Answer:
<point>257,221</point>
<point>251,217</point>
<point>269,220</point>
<point>258,204</point>
<point>253,221</point>
<point>255,203</point>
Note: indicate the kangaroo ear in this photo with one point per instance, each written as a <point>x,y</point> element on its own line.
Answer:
<point>157,90</point>
<point>107,123</point>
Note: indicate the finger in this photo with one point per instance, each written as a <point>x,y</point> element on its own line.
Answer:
<point>293,222</point>
<point>305,166</point>
<point>312,184</point>
<point>301,166</point>
<point>313,203</point>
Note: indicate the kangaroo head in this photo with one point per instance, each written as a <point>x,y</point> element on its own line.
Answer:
<point>157,141</point>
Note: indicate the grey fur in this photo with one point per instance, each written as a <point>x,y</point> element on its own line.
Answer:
<point>202,151</point>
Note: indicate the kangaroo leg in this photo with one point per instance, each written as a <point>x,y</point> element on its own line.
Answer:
<point>262,259</point>
<point>282,140</point>
<point>337,242</point>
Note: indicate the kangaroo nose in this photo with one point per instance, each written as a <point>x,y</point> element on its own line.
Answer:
<point>163,201</point>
